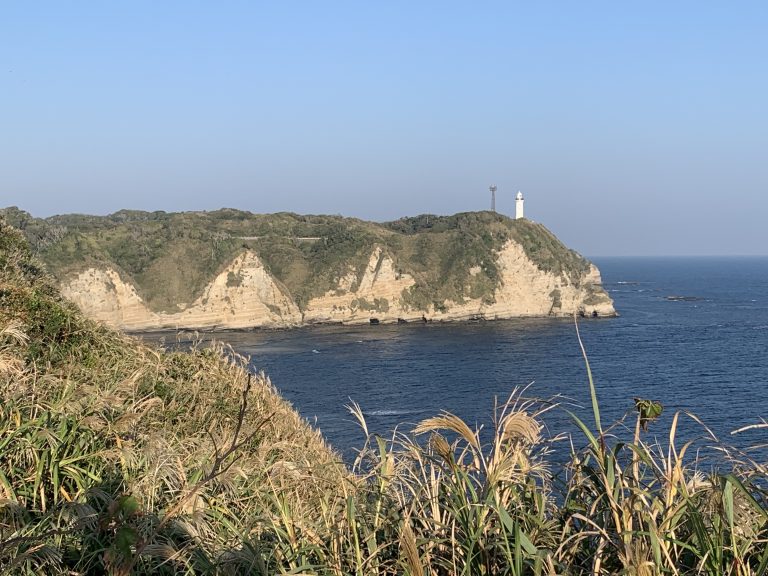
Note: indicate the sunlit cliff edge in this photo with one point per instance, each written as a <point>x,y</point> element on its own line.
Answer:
<point>233,269</point>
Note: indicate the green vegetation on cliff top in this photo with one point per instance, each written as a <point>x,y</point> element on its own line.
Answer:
<point>171,257</point>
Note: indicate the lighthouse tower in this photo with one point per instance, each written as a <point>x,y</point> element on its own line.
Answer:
<point>519,205</point>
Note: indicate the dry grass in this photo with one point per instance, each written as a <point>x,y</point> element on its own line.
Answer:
<point>119,456</point>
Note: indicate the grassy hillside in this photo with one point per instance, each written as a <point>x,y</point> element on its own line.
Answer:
<point>116,458</point>
<point>172,257</point>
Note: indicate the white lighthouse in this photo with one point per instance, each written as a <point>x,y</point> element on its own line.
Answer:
<point>519,205</point>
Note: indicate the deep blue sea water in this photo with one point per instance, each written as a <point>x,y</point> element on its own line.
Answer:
<point>707,355</point>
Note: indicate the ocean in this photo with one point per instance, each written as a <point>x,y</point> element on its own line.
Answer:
<point>692,334</point>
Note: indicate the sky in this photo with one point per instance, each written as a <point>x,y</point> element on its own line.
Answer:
<point>632,128</point>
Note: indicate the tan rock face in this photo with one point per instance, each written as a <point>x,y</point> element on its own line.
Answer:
<point>378,295</point>
<point>245,295</point>
<point>527,291</point>
<point>102,295</point>
<point>242,296</point>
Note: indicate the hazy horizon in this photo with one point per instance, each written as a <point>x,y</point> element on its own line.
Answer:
<point>631,130</point>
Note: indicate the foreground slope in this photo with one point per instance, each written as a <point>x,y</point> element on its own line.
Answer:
<point>113,453</point>
<point>233,269</point>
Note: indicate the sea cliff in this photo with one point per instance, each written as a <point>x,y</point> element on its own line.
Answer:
<point>231,269</point>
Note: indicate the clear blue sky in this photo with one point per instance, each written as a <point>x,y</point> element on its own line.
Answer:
<point>631,128</point>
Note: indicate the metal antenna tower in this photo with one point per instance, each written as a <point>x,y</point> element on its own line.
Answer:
<point>493,189</point>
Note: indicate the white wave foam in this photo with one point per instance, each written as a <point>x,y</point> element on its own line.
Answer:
<point>388,412</point>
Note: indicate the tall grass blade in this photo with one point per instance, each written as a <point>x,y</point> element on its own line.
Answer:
<point>592,391</point>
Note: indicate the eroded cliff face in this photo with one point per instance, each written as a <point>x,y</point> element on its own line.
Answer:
<point>245,295</point>
<point>374,292</point>
<point>527,291</point>
<point>104,296</point>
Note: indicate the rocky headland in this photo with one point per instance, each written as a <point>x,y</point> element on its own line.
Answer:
<point>230,269</point>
